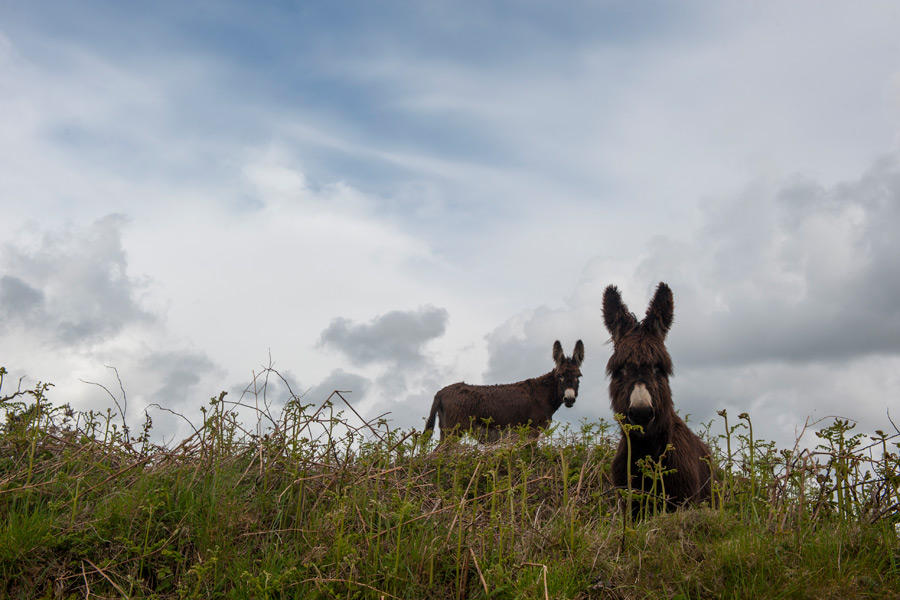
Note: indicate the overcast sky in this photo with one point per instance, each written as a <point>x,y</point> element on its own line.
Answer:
<point>388,197</point>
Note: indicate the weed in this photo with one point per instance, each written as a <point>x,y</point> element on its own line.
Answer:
<point>316,502</point>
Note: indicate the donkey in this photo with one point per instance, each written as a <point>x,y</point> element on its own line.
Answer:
<point>639,371</point>
<point>486,410</point>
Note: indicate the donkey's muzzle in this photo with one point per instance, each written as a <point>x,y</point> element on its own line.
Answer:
<point>569,402</point>
<point>640,415</point>
<point>640,405</point>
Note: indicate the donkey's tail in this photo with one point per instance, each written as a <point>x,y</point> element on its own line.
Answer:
<point>436,406</point>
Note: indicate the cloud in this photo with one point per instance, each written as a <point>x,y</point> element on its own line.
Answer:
<point>179,374</point>
<point>797,272</point>
<point>401,375</point>
<point>351,384</point>
<point>18,299</point>
<point>79,281</point>
<point>396,337</point>
<point>72,308</point>
<point>525,341</point>
<point>787,305</point>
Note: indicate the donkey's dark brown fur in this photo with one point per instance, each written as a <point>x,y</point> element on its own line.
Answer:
<point>486,410</point>
<point>639,371</point>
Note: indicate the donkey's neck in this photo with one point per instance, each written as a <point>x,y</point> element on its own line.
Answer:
<point>655,437</point>
<point>545,387</point>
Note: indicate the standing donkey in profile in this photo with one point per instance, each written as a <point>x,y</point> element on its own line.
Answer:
<point>639,371</point>
<point>486,410</point>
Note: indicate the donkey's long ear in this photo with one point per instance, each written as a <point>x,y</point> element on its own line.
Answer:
<point>578,354</point>
<point>558,355</point>
<point>661,311</point>
<point>616,317</point>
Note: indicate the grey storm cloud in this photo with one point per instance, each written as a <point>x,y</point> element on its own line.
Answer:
<point>178,375</point>
<point>803,273</point>
<point>78,279</point>
<point>352,386</point>
<point>18,299</point>
<point>394,337</point>
<point>787,304</point>
<point>395,341</point>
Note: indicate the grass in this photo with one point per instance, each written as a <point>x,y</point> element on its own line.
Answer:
<point>315,502</point>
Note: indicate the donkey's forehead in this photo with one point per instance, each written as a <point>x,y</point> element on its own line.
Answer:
<point>638,348</point>
<point>568,367</point>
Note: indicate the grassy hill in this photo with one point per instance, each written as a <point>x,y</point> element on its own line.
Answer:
<point>315,502</point>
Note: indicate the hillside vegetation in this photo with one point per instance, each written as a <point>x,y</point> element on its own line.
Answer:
<point>315,502</point>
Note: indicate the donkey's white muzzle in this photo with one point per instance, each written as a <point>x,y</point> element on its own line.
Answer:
<point>640,405</point>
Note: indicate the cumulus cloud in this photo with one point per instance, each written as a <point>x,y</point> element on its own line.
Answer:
<point>396,337</point>
<point>798,273</point>
<point>78,280</point>
<point>18,299</point>
<point>352,385</point>
<point>71,309</point>
<point>179,374</point>
<point>401,376</point>
<point>787,303</point>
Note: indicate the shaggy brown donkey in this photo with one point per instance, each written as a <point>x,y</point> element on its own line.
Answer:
<point>639,371</point>
<point>486,410</point>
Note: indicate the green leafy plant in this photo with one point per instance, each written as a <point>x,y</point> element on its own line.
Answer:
<point>273,495</point>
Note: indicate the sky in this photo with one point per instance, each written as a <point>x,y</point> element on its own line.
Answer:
<point>388,197</point>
